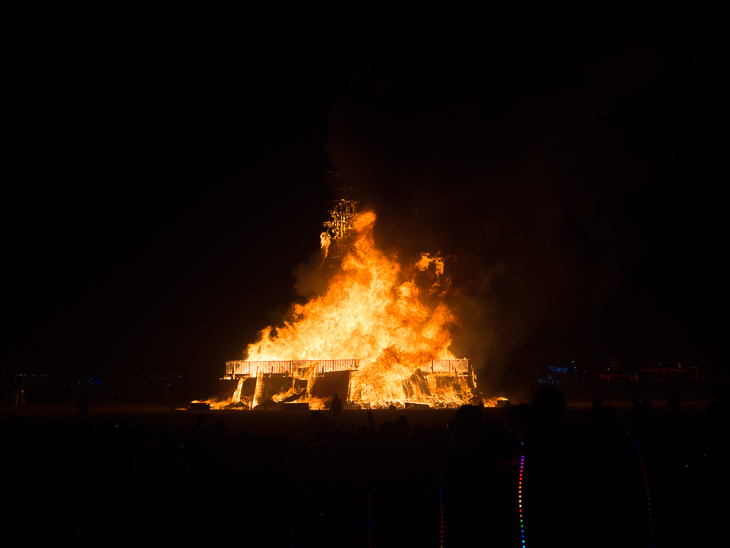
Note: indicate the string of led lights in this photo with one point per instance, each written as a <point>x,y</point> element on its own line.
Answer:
<point>646,485</point>
<point>370,521</point>
<point>522,523</point>
<point>441,505</point>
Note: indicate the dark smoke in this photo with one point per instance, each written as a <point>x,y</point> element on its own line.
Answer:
<point>516,175</point>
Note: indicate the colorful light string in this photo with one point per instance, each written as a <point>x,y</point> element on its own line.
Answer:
<point>522,524</point>
<point>370,521</point>
<point>646,485</point>
<point>441,505</point>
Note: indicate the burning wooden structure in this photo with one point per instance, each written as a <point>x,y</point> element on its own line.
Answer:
<point>314,381</point>
<point>395,315</point>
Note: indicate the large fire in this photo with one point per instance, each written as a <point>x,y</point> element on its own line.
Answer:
<point>374,311</point>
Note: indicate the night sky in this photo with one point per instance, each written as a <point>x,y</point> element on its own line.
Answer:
<point>164,167</point>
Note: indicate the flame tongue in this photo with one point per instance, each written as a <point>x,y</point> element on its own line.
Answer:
<point>371,311</point>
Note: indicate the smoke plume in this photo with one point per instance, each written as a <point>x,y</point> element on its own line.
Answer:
<point>519,193</point>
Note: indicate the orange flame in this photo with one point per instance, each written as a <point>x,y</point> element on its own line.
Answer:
<point>372,311</point>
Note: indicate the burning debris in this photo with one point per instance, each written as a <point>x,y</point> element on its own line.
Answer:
<point>325,240</point>
<point>341,216</point>
<point>396,328</point>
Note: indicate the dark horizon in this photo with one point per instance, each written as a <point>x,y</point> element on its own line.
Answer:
<point>160,164</point>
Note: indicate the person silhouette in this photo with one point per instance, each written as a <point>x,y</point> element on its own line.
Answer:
<point>401,426</point>
<point>83,407</point>
<point>719,410</point>
<point>674,402</point>
<point>336,408</point>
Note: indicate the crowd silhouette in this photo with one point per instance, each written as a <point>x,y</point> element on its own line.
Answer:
<point>324,482</point>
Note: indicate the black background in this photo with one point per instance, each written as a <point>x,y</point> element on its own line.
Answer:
<point>161,161</point>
